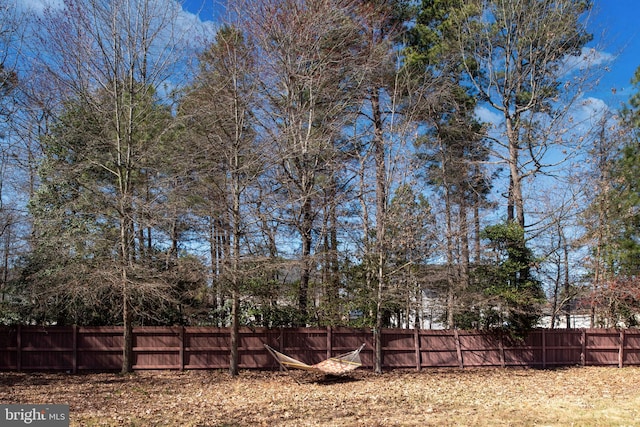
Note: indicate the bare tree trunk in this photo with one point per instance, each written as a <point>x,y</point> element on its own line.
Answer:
<point>235,329</point>
<point>331,267</point>
<point>127,338</point>
<point>235,269</point>
<point>6,234</point>
<point>381,211</point>
<point>567,285</point>
<point>476,232</point>
<point>464,244</point>
<point>450,260</point>
<point>303,288</point>
<point>515,208</point>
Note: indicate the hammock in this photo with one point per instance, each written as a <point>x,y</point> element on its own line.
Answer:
<point>338,365</point>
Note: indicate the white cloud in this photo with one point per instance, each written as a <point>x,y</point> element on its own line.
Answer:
<point>186,22</point>
<point>590,109</point>
<point>485,115</point>
<point>38,6</point>
<point>588,59</point>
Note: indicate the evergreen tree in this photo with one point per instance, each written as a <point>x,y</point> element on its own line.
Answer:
<point>508,295</point>
<point>455,148</point>
<point>515,65</point>
<point>224,160</point>
<point>616,250</point>
<point>78,222</point>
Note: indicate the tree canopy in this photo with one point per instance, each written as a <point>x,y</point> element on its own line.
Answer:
<point>313,162</point>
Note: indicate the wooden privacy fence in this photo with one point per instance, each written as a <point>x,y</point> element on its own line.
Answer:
<point>76,349</point>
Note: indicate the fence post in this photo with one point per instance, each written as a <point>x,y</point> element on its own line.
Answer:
<point>181,351</point>
<point>75,349</point>
<point>583,355</point>
<point>621,350</point>
<point>329,342</point>
<point>544,349</point>
<point>416,339</point>
<point>19,348</point>
<point>458,348</point>
<point>501,347</point>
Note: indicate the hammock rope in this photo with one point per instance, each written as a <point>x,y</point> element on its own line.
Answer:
<point>337,365</point>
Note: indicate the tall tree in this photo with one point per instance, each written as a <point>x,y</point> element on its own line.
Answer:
<point>612,220</point>
<point>11,32</point>
<point>455,149</point>
<point>454,153</point>
<point>107,60</point>
<point>517,66</point>
<point>218,109</point>
<point>625,182</point>
<point>595,183</point>
<point>391,97</point>
<point>306,68</point>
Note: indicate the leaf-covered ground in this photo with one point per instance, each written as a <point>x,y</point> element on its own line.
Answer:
<point>482,397</point>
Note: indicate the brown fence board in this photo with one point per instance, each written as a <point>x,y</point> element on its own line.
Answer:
<point>438,349</point>
<point>631,348</point>
<point>100,348</point>
<point>603,348</point>
<point>479,349</point>
<point>399,348</point>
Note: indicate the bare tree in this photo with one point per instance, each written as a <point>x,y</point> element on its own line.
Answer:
<point>519,66</point>
<point>109,62</point>
<point>560,260</point>
<point>11,34</point>
<point>306,66</point>
<point>393,100</point>
<point>218,110</point>
<point>595,180</point>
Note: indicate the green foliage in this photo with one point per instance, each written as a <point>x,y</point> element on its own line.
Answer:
<point>121,189</point>
<point>626,212</point>
<point>622,201</point>
<point>612,220</point>
<point>507,295</point>
<point>428,41</point>
<point>91,213</point>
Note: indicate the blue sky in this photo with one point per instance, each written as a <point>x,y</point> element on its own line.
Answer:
<point>205,9</point>
<point>614,23</point>
<point>616,30</point>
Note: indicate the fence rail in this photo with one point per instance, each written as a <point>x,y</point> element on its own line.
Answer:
<point>74,348</point>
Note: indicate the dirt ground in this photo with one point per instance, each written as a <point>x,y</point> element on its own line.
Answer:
<point>474,397</point>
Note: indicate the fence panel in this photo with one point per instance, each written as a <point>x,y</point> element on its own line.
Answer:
<point>563,347</point>
<point>438,349</point>
<point>206,348</point>
<point>46,348</point>
<point>157,348</point>
<point>100,348</point>
<point>480,349</point>
<point>602,347</point>
<point>251,351</point>
<point>522,353</point>
<point>9,348</point>
<point>632,348</point>
<point>398,348</point>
